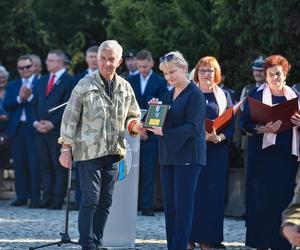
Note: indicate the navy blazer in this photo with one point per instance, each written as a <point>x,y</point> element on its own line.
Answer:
<point>183,140</point>
<point>14,108</point>
<point>156,87</point>
<point>59,94</point>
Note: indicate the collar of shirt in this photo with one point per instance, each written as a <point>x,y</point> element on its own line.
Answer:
<point>58,74</point>
<point>107,81</point>
<point>91,71</point>
<point>109,85</point>
<point>258,84</point>
<point>146,78</point>
<point>134,72</point>
<point>28,82</point>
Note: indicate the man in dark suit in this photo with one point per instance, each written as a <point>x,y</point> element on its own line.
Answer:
<point>91,60</point>
<point>53,89</point>
<point>18,104</point>
<point>147,85</point>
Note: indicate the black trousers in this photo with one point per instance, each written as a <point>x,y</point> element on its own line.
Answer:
<point>54,176</point>
<point>97,179</point>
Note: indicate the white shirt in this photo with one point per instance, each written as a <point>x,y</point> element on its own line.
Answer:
<point>28,84</point>
<point>144,81</point>
<point>58,74</point>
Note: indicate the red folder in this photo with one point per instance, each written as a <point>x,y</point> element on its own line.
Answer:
<point>262,113</point>
<point>224,119</point>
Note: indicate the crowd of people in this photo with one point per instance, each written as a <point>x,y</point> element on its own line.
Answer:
<point>88,134</point>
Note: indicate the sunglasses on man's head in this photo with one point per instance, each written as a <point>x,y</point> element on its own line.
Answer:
<point>25,67</point>
<point>166,58</point>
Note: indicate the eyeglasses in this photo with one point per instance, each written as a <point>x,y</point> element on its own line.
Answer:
<point>25,67</point>
<point>206,71</point>
<point>166,58</point>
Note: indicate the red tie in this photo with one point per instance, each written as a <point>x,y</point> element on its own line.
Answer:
<point>50,84</point>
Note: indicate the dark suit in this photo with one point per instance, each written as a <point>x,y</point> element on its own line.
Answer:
<point>54,177</point>
<point>79,76</point>
<point>23,145</point>
<point>156,87</point>
<point>182,153</point>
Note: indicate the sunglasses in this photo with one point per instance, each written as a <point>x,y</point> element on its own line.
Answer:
<point>25,67</point>
<point>166,58</point>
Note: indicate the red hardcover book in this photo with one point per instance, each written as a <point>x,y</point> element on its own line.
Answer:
<point>262,113</point>
<point>224,119</point>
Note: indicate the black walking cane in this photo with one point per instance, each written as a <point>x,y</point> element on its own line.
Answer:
<point>65,237</point>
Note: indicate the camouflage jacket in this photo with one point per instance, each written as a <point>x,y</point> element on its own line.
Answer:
<point>93,124</point>
<point>291,215</point>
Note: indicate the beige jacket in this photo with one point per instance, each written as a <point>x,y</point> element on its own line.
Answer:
<point>93,124</point>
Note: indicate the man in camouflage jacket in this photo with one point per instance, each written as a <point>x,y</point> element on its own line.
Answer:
<point>101,107</point>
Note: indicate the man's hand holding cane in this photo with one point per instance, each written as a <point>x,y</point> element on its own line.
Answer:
<point>65,157</point>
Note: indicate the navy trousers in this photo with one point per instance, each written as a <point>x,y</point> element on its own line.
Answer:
<point>27,172</point>
<point>97,179</point>
<point>148,164</point>
<point>178,188</point>
<point>54,176</point>
<point>77,185</point>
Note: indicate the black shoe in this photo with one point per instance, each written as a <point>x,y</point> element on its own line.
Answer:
<point>45,203</point>
<point>218,246</point>
<point>34,204</point>
<point>100,247</point>
<point>147,212</point>
<point>56,205</point>
<point>18,203</point>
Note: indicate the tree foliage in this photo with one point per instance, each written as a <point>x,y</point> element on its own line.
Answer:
<point>36,26</point>
<point>161,26</point>
<point>235,32</point>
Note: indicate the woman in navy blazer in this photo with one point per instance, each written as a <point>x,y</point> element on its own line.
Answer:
<point>182,149</point>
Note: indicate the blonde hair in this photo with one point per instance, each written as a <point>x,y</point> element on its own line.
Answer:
<point>174,57</point>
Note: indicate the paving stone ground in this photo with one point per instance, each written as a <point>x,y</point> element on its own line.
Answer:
<point>21,228</point>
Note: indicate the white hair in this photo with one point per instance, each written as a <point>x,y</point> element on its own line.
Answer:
<point>4,71</point>
<point>111,45</point>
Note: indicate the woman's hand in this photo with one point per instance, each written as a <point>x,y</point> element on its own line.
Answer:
<point>296,119</point>
<point>213,137</point>
<point>154,101</point>
<point>270,127</point>
<point>291,233</point>
<point>156,130</point>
